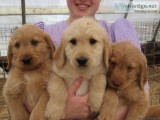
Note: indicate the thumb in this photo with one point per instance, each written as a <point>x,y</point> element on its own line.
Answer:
<point>74,86</point>
<point>85,97</point>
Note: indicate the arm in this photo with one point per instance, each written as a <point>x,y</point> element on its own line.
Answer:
<point>76,106</point>
<point>40,25</point>
<point>58,94</point>
<point>122,112</point>
<point>12,93</point>
<point>38,111</point>
<point>121,30</point>
<point>96,92</point>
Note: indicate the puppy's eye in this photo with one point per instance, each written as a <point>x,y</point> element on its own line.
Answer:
<point>34,42</point>
<point>129,68</point>
<point>17,45</point>
<point>73,41</point>
<point>93,41</point>
<point>113,63</point>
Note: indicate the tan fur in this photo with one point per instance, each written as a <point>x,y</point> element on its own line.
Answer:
<point>26,84</point>
<point>66,68</point>
<point>153,112</point>
<point>126,78</point>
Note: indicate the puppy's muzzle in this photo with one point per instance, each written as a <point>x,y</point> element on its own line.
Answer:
<point>116,83</point>
<point>27,60</point>
<point>82,61</point>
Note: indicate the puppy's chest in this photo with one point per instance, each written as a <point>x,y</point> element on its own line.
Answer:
<point>69,78</point>
<point>34,85</point>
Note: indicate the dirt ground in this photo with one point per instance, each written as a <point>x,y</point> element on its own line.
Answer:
<point>4,112</point>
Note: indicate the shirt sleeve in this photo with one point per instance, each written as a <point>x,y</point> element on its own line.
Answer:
<point>40,25</point>
<point>54,30</point>
<point>122,30</point>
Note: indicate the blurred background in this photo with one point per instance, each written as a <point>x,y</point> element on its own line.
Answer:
<point>143,14</point>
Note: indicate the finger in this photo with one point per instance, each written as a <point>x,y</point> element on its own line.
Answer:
<point>74,86</point>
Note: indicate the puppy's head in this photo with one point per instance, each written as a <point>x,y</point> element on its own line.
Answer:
<point>83,45</point>
<point>29,47</point>
<point>127,66</point>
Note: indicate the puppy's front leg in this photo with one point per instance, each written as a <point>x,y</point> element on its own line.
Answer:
<point>38,111</point>
<point>12,92</point>
<point>96,91</point>
<point>58,93</point>
<point>17,109</point>
<point>109,106</point>
<point>137,110</point>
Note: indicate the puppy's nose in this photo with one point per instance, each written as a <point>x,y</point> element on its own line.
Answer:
<point>116,83</point>
<point>27,60</point>
<point>82,61</point>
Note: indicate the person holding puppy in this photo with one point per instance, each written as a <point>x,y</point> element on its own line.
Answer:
<point>76,106</point>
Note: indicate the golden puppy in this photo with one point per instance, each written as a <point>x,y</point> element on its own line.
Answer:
<point>30,62</point>
<point>80,53</point>
<point>126,78</point>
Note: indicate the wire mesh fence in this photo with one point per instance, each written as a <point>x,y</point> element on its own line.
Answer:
<point>5,34</point>
<point>4,111</point>
<point>154,82</point>
<point>149,36</point>
<point>146,33</point>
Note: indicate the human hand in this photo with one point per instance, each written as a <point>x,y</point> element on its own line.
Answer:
<point>122,112</point>
<point>76,106</point>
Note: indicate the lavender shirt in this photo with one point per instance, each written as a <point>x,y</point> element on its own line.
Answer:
<point>120,30</point>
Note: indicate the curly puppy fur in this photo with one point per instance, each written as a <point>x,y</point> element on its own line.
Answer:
<point>126,78</point>
<point>83,49</point>
<point>30,62</point>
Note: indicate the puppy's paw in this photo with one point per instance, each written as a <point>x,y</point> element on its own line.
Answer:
<point>106,117</point>
<point>94,105</point>
<point>54,111</point>
<point>94,108</point>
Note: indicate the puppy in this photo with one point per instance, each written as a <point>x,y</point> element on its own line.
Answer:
<point>126,78</point>
<point>30,62</point>
<point>81,53</point>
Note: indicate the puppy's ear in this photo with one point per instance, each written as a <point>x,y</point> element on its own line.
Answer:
<point>50,44</point>
<point>9,56</point>
<point>143,73</point>
<point>107,51</point>
<point>59,55</point>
